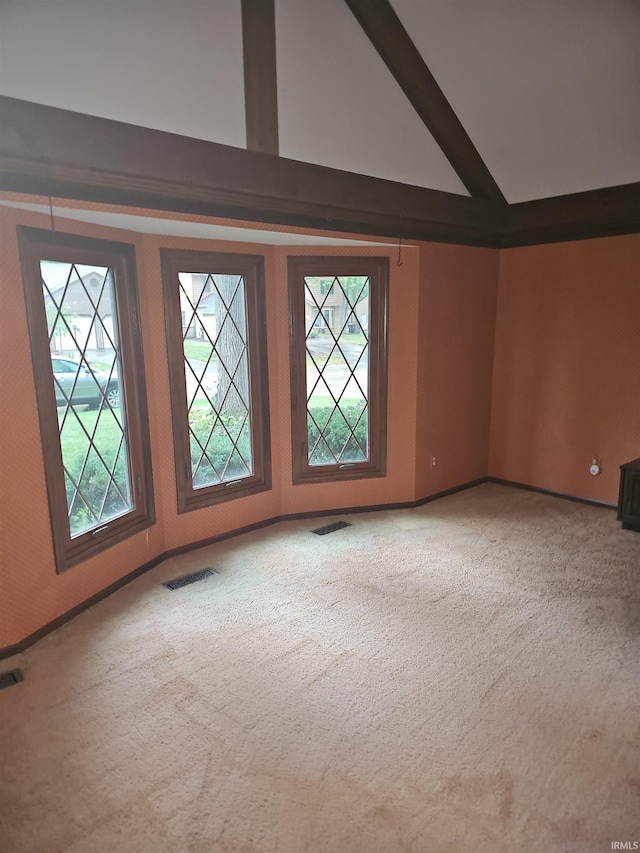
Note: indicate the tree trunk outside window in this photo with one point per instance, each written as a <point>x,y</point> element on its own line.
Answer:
<point>231,346</point>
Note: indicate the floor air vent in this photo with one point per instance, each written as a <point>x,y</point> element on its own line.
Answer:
<point>8,679</point>
<point>330,528</point>
<point>185,580</point>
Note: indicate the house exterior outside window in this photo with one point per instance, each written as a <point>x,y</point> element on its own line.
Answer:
<point>86,347</point>
<point>338,354</point>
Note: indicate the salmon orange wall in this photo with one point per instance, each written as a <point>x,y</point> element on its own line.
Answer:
<point>458,286</point>
<point>31,593</point>
<point>566,382</point>
<point>553,383</point>
<point>284,498</point>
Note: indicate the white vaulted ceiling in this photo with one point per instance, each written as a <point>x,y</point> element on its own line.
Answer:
<point>339,106</point>
<point>547,90</point>
<point>173,66</point>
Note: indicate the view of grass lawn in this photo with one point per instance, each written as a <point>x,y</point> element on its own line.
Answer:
<point>75,442</point>
<point>199,350</point>
<point>355,338</point>
<point>99,496</point>
<point>321,358</point>
<point>102,365</point>
<point>100,499</point>
<point>318,402</point>
<point>344,338</point>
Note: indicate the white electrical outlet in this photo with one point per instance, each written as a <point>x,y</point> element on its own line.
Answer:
<point>433,461</point>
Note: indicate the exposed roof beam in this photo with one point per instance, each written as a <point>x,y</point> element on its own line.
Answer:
<point>577,216</point>
<point>260,81</point>
<point>47,150</point>
<point>389,37</point>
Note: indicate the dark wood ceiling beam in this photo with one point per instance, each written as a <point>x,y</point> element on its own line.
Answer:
<point>389,37</point>
<point>576,216</point>
<point>45,150</point>
<point>72,155</point>
<point>260,76</point>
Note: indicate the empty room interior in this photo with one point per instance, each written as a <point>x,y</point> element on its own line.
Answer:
<point>320,426</point>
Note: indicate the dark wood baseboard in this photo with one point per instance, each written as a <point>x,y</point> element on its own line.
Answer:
<point>446,492</point>
<point>564,495</point>
<point>18,648</point>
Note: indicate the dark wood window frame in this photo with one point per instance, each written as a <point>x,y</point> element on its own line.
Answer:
<point>251,268</point>
<point>36,245</point>
<point>377,269</point>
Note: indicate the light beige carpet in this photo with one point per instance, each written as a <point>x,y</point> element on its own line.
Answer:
<point>459,678</point>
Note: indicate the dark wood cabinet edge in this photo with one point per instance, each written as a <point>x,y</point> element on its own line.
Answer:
<point>22,645</point>
<point>633,465</point>
<point>630,520</point>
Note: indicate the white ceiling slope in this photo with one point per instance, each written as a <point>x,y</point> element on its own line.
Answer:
<point>173,65</point>
<point>339,106</point>
<point>548,90</point>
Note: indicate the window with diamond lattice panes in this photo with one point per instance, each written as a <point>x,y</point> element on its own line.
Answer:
<point>217,375</point>
<point>80,293</point>
<point>336,331</point>
<point>85,360</point>
<point>214,306</point>
<point>338,363</point>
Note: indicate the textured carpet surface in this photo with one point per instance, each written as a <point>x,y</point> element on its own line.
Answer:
<point>459,678</point>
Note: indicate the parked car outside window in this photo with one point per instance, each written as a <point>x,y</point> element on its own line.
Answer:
<point>77,384</point>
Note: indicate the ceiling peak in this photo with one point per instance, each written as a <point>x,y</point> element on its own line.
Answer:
<point>389,37</point>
